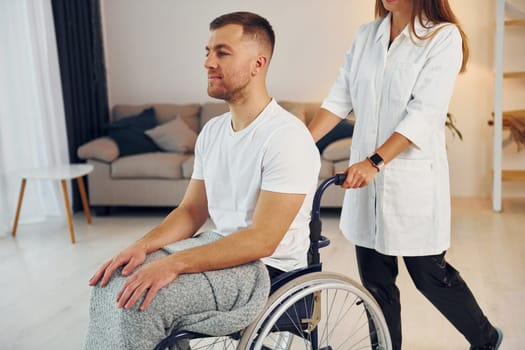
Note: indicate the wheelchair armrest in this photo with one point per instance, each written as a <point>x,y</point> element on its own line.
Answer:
<point>182,334</point>
<point>283,278</point>
<point>323,242</point>
<point>176,336</point>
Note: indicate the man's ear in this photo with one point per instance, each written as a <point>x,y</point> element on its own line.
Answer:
<point>260,64</point>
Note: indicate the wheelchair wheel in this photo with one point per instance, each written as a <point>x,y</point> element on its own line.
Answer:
<point>212,343</point>
<point>319,311</point>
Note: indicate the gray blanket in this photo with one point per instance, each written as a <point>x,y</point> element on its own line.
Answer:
<point>215,303</point>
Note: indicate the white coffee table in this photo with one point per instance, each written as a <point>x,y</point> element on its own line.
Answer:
<point>62,173</point>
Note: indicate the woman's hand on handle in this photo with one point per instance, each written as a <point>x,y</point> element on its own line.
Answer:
<point>359,174</point>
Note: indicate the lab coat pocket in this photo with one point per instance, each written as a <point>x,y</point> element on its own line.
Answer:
<point>403,80</point>
<point>409,188</point>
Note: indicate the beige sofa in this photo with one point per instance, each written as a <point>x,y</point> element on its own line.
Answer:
<point>160,178</point>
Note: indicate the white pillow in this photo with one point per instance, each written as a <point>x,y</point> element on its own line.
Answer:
<point>174,136</point>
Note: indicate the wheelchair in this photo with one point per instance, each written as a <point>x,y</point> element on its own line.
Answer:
<point>307,309</point>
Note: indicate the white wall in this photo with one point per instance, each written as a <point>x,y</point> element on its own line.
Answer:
<point>155,49</point>
<point>155,53</point>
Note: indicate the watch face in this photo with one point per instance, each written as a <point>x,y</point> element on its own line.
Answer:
<point>376,159</point>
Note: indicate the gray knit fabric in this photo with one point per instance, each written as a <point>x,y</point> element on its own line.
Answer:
<point>216,303</point>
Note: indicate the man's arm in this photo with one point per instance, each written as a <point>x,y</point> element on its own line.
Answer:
<point>274,213</point>
<point>181,223</point>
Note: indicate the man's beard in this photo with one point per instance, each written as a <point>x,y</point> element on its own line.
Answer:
<point>229,94</point>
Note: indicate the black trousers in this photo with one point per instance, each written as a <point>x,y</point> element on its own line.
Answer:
<point>437,280</point>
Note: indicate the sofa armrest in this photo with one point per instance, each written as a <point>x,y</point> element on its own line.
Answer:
<point>103,149</point>
<point>338,150</point>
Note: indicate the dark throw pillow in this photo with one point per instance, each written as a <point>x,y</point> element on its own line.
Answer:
<point>128,133</point>
<point>342,130</point>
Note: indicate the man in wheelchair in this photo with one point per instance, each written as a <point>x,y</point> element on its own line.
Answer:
<point>255,174</point>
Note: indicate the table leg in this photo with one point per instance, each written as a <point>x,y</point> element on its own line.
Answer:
<point>19,206</point>
<point>83,196</point>
<point>68,211</point>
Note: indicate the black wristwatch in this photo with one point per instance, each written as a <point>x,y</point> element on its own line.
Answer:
<point>377,161</point>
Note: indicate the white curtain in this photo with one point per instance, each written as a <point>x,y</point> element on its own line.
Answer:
<point>32,122</point>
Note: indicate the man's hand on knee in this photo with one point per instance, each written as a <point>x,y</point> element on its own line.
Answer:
<point>130,258</point>
<point>149,279</point>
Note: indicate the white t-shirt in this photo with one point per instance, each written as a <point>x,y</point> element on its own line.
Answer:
<point>274,153</point>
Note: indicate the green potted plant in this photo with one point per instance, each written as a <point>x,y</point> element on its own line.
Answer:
<point>450,124</point>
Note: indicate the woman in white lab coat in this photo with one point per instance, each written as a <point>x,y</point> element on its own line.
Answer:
<point>398,78</point>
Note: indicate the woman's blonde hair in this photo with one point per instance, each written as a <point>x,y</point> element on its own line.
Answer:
<point>436,11</point>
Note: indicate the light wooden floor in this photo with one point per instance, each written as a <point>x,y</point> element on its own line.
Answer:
<point>44,291</point>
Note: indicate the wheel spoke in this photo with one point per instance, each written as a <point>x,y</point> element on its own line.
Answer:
<point>342,325</point>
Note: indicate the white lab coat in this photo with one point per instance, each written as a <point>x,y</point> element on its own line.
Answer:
<point>406,89</point>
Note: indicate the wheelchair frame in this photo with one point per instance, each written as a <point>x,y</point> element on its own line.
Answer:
<point>294,306</point>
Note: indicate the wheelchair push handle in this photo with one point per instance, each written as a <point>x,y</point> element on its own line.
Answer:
<point>316,239</point>
<point>338,180</point>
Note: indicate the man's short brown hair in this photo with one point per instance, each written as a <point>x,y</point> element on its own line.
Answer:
<point>252,24</point>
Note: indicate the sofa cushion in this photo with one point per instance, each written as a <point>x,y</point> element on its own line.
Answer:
<point>128,133</point>
<point>187,167</point>
<point>212,109</point>
<point>174,136</point>
<point>310,111</point>
<point>144,119</point>
<point>164,112</point>
<point>340,166</point>
<point>188,112</point>
<point>295,108</point>
<point>151,165</point>
<point>327,169</point>
<point>338,150</point>
<point>103,149</point>
<point>342,130</point>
